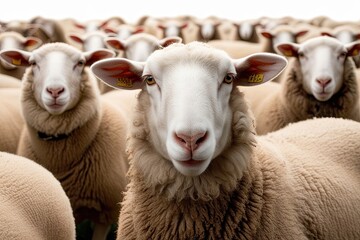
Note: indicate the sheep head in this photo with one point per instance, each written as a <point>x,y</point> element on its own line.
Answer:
<point>189,88</point>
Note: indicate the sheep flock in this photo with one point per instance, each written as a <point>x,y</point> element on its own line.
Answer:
<point>180,128</point>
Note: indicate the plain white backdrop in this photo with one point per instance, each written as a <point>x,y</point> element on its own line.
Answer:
<point>132,10</point>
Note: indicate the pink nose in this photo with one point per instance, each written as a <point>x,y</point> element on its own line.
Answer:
<point>190,142</point>
<point>55,92</point>
<point>323,81</point>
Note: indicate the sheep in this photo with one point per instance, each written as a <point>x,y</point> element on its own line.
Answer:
<point>14,40</point>
<point>33,203</point>
<point>319,81</point>
<point>11,120</point>
<point>47,30</point>
<point>197,170</point>
<point>247,30</point>
<point>239,49</point>
<point>207,29</point>
<point>72,132</point>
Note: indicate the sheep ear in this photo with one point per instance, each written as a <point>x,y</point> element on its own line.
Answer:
<point>16,57</point>
<point>31,43</point>
<point>301,33</point>
<point>169,40</point>
<point>353,48</point>
<point>76,38</point>
<point>115,43</point>
<point>258,68</point>
<point>287,49</point>
<point>266,34</point>
<point>119,73</point>
<point>94,56</point>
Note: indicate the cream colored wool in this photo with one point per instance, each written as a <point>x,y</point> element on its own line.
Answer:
<point>301,182</point>
<point>11,120</point>
<point>33,204</point>
<point>290,103</point>
<point>90,162</point>
<point>9,82</point>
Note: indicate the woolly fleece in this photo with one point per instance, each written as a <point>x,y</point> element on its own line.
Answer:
<point>33,203</point>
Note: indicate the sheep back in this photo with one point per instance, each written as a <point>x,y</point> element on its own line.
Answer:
<point>33,203</point>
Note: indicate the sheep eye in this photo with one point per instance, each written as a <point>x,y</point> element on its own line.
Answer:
<point>81,63</point>
<point>149,79</point>
<point>301,54</point>
<point>229,78</point>
<point>33,63</point>
<point>343,54</point>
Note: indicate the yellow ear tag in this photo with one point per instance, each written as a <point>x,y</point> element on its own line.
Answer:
<point>288,53</point>
<point>16,62</point>
<point>355,52</point>
<point>256,78</point>
<point>124,82</point>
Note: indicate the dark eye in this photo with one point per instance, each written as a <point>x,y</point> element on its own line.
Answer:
<point>229,78</point>
<point>33,63</point>
<point>343,54</point>
<point>301,54</point>
<point>149,79</point>
<point>81,63</point>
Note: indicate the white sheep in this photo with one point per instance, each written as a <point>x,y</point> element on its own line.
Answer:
<point>197,170</point>
<point>267,41</point>
<point>319,81</point>
<point>72,132</point>
<point>14,40</point>
<point>11,119</point>
<point>33,203</point>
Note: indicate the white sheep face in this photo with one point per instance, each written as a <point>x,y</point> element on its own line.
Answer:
<point>57,70</point>
<point>189,105</point>
<point>188,89</point>
<point>57,80</point>
<point>322,64</point>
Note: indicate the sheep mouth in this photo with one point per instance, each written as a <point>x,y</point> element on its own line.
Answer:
<point>191,163</point>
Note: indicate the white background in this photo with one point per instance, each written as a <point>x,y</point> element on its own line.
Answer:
<point>132,10</point>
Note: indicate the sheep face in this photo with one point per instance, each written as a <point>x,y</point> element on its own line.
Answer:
<point>57,80</point>
<point>188,89</point>
<point>322,62</point>
<point>57,73</point>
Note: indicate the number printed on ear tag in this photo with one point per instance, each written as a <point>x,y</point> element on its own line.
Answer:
<point>124,82</point>
<point>256,78</point>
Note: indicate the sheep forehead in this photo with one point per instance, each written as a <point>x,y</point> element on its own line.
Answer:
<point>195,52</point>
<point>11,34</point>
<point>141,36</point>
<point>315,43</point>
<point>67,49</point>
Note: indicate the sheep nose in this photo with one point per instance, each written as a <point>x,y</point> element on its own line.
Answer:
<point>191,142</point>
<point>55,92</point>
<point>323,82</point>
